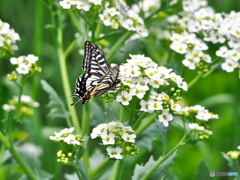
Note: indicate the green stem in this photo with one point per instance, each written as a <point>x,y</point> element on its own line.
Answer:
<point>17,157</point>
<point>215,66</point>
<point>199,76</point>
<point>64,74</point>
<point>86,111</point>
<point>77,171</point>
<point>118,44</point>
<point>98,30</point>
<point>138,121</point>
<point>161,160</point>
<point>116,171</point>
<point>145,123</point>
<point>19,102</point>
<point>100,168</point>
<point>121,115</point>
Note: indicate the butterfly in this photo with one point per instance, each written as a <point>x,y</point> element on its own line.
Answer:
<point>98,77</point>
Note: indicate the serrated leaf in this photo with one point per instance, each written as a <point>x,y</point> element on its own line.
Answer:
<point>146,141</point>
<point>57,106</point>
<point>141,170</point>
<point>231,163</point>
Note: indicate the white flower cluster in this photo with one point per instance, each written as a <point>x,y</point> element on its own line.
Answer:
<point>119,138</point>
<point>8,37</point>
<point>24,63</point>
<point>192,47</point>
<point>66,136</point>
<point>127,17</point>
<point>213,27</point>
<point>116,15</point>
<point>201,115</point>
<point>79,4</point>
<point>140,76</point>
<point>26,102</point>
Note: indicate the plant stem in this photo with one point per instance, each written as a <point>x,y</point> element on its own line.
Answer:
<point>64,74</point>
<point>100,167</point>
<point>121,116</point>
<point>17,157</point>
<point>116,171</point>
<point>77,171</point>
<point>199,76</point>
<point>145,123</point>
<point>161,160</point>
<point>118,44</point>
<point>19,102</point>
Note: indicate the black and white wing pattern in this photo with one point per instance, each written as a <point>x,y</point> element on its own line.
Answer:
<point>98,78</point>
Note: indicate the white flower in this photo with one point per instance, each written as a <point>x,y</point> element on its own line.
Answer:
<point>144,106</point>
<point>112,11</point>
<point>180,48</point>
<point>137,92</point>
<point>142,83</point>
<point>129,82</point>
<point>165,117</point>
<point>190,61</point>
<point>95,2</point>
<point>23,68</point>
<point>18,60</point>
<point>66,4</point>
<point>234,42</point>
<point>176,78</point>
<point>195,126</point>
<point>114,152</point>
<point>67,130</point>
<point>176,107</point>
<point>238,147</point>
<point>177,38</point>
<point>134,71</point>
<point>182,85</point>
<point>57,137</point>
<point>105,18</point>
<point>154,105</point>
<point>222,52</point>
<point>83,5</point>
<point>155,95</point>
<point>31,58</point>
<point>108,138</point>
<point>157,82</point>
<point>203,115</point>
<point>98,131</point>
<point>234,54</point>
<point>124,97</point>
<point>71,139</point>
<point>229,65</point>
<point>129,137</point>
<point>7,107</point>
<point>206,58</point>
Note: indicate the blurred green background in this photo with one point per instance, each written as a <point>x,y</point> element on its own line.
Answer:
<point>220,92</point>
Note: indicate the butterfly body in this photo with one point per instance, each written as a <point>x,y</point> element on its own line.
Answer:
<point>98,78</point>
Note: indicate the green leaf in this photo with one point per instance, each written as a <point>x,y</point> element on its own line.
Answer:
<point>162,130</point>
<point>232,163</point>
<point>56,104</point>
<point>141,170</point>
<point>203,172</point>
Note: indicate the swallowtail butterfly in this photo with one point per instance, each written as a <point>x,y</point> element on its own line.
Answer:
<point>98,78</point>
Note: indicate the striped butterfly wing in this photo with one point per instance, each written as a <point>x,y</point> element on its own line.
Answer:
<point>107,83</point>
<point>98,77</point>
